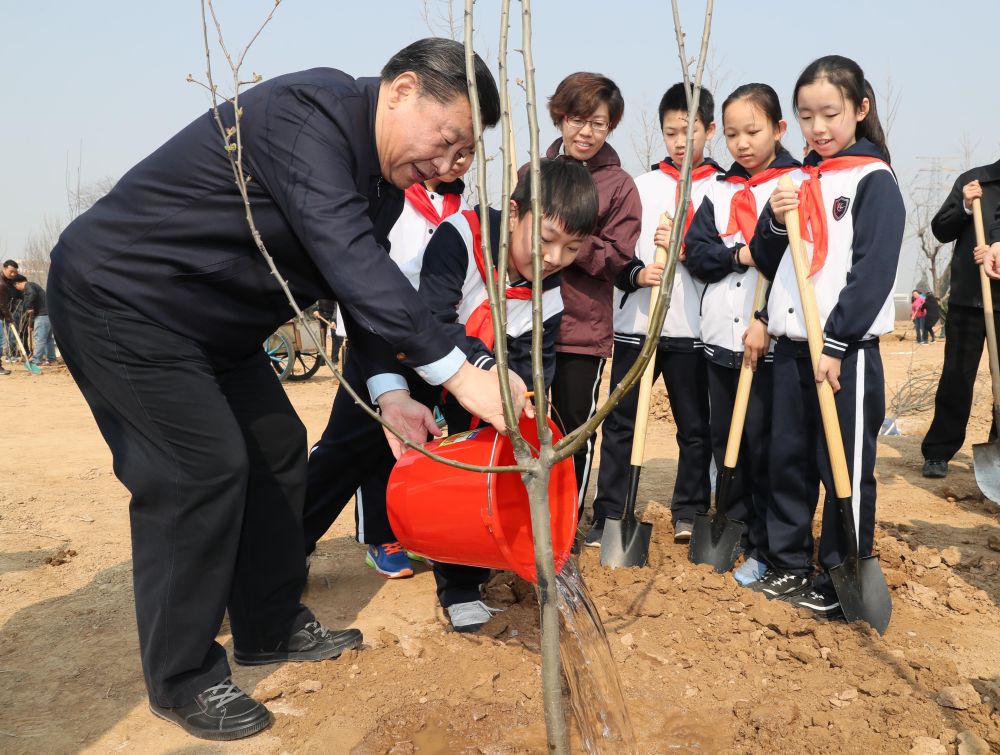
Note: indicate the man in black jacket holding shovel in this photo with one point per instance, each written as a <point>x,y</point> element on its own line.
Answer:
<point>161,302</point>
<point>964,325</point>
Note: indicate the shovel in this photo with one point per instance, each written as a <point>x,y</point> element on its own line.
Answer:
<point>859,582</point>
<point>30,366</point>
<point>625,541</point>
<point>986,456</point>
<point>718,540</point>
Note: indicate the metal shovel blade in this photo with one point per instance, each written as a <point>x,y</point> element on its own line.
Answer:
<point>717,540</point>
<point>986,462</point>
<point>862,592</point>
<point>859,582</point>
<point>626,541</point>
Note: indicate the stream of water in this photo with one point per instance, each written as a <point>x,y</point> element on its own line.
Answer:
<point>595,689</point>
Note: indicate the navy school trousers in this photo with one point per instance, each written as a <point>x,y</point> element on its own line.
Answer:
<point>798,450</point>
<point>575,388</point>
<point>684,375</point>
<point>215,460</point>
<point>458,583</point>
<point>750,492</point>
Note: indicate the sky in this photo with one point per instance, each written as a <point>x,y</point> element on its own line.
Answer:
<point>94,87</point>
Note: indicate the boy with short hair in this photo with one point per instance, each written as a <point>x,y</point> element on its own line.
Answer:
<point>679,354</point>
<point>453,284</point>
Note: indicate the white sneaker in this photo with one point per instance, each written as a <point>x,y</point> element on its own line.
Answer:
<point>470,617</point>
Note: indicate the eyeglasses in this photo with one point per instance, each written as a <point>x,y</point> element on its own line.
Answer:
<point>598,127</point>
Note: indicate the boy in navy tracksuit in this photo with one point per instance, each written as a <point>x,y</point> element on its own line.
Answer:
<point>453,284</point>
<point>732,332</point>
<point>678,357</point>
<point>852,216</point>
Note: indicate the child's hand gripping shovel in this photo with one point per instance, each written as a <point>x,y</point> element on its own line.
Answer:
<point>859,582</point>
<point>626,541</point>
<point>717,540</point>
<point>30,366</point>
<point>986,456</point>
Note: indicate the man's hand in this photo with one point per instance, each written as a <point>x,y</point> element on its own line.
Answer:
<point>479,392</point>
<point>970,191</point>
<point>829,369</point>
<point>410,417</point>
<point>987,256</point>
<point>756,343</point>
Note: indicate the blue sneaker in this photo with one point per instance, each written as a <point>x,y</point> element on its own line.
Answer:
<point>750,571</point>
<point>389,560</point>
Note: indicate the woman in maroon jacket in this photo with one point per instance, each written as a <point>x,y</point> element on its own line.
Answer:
<point>586,107</point>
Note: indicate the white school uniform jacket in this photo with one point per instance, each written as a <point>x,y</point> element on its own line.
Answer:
<point>451,285</point>
<point>727,302</point>
<point>412,231</point>
<point>865,220</point>
<point>658,194</point>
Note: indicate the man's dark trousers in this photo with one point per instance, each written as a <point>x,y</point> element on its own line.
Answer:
<point>216,466</point>
<point>965,335</point>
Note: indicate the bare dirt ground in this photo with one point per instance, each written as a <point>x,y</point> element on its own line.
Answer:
<point>706,666</point>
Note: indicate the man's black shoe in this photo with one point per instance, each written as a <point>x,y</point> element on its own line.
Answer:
<point>314,642</point>
<point>4,370</point>
<point>221,712</point>
<point>935,468</point>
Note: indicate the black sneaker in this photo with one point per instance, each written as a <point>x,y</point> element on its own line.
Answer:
<point>594,535</point>
<point>821,603</point>
<point>4,370</point>
<point>776,583</point>
<point>314,642</point>
<point>221,712</point>
<point>935,468</point>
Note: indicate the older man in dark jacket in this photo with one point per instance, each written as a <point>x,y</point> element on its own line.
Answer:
<point>161,301</point>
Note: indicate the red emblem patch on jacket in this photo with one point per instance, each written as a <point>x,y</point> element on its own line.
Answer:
<point>840,205</point>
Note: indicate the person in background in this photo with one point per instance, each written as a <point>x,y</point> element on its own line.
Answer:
<point>13,301</point>
<point>917,314</point>
<point>678,356</point>
<point>37,314</point>
<point>586,108</point>
<point>5,322</point>
<point>965,326</point>
<point>932,315</point>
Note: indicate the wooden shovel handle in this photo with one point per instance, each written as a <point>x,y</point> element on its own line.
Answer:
<point>987,289</point>
<point>743,389</point>
<point>646,382</point>
<point>810,312</point>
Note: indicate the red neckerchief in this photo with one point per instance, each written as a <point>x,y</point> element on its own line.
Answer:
<point>743,208</point>
<point>812,213</point>
<point>480,322</point>
<point>703,171</point>
<point>417,196</point>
